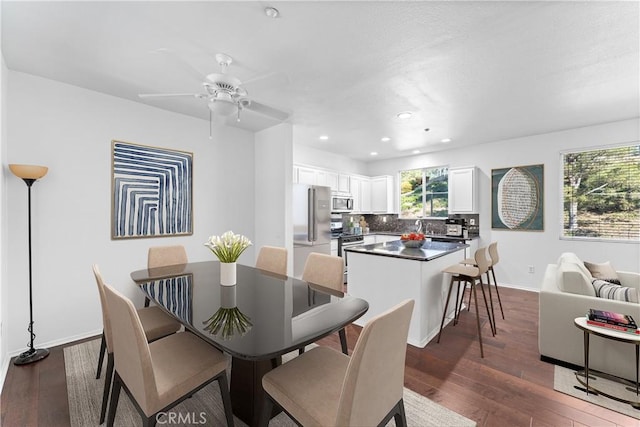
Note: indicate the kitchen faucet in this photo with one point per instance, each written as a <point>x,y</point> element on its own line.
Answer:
<point>429,229</point>
<point>418,226</point>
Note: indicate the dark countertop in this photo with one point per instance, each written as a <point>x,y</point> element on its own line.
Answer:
<point>440,237</point>
<point>395,249</point>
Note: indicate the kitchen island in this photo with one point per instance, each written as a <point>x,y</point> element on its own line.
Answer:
<point>385,274</point>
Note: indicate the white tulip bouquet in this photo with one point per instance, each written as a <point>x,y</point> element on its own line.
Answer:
<point>229,246</point>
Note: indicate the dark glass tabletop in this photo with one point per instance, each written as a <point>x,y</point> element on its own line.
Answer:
<point>263,316</point>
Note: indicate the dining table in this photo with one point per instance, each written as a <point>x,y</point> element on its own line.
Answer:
<point>256,321</point>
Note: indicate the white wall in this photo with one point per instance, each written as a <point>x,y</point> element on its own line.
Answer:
<point>520,249</point>
<point>70,129</point>
<point>273,177</point>
<point>4,359</point>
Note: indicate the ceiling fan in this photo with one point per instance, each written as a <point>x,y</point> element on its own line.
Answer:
<point>225,94</point>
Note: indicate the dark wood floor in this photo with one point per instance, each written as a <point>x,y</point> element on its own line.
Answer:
<point>509,387</point>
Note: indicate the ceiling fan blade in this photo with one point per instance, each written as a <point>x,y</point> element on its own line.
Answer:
<point>267,111</point>
<point>168,95</point>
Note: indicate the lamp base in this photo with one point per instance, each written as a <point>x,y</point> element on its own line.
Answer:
<point>31,356</point>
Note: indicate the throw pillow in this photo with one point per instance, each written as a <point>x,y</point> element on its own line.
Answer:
<point>603,271</point>
<point>608,290</point>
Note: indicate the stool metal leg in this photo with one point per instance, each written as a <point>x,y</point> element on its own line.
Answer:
<point>475,298</point>
<point>446,305</point>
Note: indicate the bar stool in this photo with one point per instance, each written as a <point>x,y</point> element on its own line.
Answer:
<point>472,275</point>
<point>493,253</point>
<point>472,262</point>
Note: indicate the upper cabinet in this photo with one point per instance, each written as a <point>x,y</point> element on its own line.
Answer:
<point>382,194</point>
<point>370,195</point>
<point>463,190</point>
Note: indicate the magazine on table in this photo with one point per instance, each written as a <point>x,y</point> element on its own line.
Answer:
<point>612,318</point>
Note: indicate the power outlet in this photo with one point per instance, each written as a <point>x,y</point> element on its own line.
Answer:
<point>472,221</point>
<point>384,219</point>
<point>532,269</point>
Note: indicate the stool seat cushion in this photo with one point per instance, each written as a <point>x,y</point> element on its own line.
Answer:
<point>462,270</point>
<point>157,323</point>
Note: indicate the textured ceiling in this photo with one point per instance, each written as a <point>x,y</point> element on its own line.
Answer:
<point>475,71</point>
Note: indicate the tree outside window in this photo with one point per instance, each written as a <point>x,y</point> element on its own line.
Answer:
<point>602,193</point>
<point>424,192</point>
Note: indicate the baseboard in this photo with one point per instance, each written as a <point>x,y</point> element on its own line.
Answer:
<point>521,288</point>
<point>61,341</point>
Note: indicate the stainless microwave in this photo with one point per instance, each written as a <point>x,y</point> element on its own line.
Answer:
<point>341,202</point>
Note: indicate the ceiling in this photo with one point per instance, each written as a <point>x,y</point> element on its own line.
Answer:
<point>475,71</point>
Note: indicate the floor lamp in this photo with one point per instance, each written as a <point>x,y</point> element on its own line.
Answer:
<point>29,175</point>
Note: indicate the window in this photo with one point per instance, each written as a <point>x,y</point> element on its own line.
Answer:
<point>602,193</point>
<point>424,192</point>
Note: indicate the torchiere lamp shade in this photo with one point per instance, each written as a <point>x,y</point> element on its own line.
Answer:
<point>29,171</point>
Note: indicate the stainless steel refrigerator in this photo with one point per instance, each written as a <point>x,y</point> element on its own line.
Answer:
<point>311,223</point>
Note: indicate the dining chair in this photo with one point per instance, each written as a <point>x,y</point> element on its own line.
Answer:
<point>324,387</point>
<point>328,271</point>
<point>273,259</point>
<point>471,274</point>
<point>158,375</point>
<point>155,324</point>
<point>162,256</point>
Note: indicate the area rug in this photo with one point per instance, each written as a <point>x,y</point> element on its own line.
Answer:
<point>204,407</point>
<point>564,380</point>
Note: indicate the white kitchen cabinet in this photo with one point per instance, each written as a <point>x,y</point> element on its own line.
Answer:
<point>306,175</point>
<point>383,238</point>
<point>344,183</point>
<point>463,190</point>
<point>327,178</point>
<point>334,247</point>
<point>361,192</point>
<point>382,194</point>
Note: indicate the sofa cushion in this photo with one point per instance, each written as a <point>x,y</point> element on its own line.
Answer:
<point>572,276</point>
<point>609,290</point>
<point>603,271</point>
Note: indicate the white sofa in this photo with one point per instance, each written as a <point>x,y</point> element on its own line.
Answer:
<point>567,293</point>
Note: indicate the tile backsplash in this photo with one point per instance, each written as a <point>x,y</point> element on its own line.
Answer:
<point>390,223</point>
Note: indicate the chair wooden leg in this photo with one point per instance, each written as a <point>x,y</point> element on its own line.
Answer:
<point>267,408</point>
<point>103,349</point>
<point>343,341</point>
<point>149,421</point>
<point>446,305</point>
<point>300,351</point>
<point>115,396</point>
<point>400,417</point>
<point>495,283</point>
<point>107,386</point>
<point>226,398</point>
<point>146,301</point>
<point>486,305</point>
<point>475,299</point>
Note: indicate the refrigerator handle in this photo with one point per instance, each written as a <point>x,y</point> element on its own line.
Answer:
<point>310,215</point>
<point>313,215</point>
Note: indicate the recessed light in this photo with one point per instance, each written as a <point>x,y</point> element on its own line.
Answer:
<point>324,137</point>
<point>404,115</point>
<point>271,12</point>
<point>415,151</point>
<point>445,140</point>
<point>385,139</point>
<point>374,153</point>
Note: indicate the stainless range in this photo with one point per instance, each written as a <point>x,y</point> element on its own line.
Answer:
<point>346,240</point>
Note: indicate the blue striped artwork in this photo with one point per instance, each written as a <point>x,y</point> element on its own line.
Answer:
<point>175,294</point>
<point>152,191</point>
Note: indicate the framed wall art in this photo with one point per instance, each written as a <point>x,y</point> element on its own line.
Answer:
<point>152,191</point>
<point>517,198</point>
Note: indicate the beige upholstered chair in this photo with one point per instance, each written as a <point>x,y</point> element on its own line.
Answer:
<point>323,387</point>
<point>328,271</point>
<point>161,256</point>
<point>155,324</point>
<point>471,274</point>
<point>161,374</point>
<point>273,259</point>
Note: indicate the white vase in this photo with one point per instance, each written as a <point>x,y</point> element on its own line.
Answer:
<point>227,273</point>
